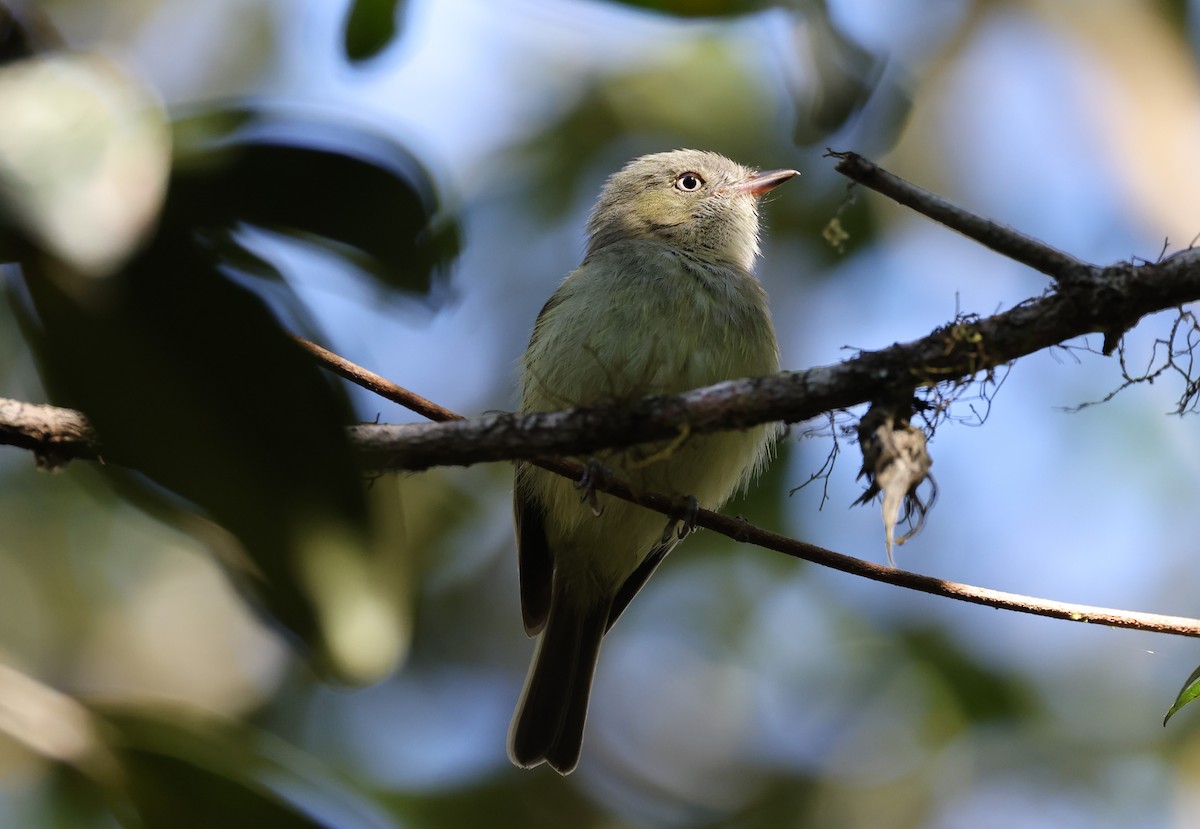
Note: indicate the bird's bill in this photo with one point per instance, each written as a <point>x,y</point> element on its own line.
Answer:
<point>759,184</point>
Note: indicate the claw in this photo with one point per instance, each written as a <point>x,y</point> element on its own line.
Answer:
<point>594,473</point>
<point>682,520</point>
<point>743,523</point>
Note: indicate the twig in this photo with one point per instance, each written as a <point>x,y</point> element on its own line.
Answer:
<point>1000,238</point>
<point>373,382</point>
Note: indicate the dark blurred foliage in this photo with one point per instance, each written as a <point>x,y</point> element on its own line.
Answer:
<point>24,32</point>
<point>183,370</point>
<point>371,26</point>
<point>358,192</point>
<point>982,694</point>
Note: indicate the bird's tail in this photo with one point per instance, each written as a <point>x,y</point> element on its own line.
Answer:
<point>548,724</point>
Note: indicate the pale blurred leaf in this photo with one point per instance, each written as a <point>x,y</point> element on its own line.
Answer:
<point>84,158</point>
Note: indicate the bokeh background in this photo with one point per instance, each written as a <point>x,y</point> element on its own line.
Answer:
<point>741,688</point>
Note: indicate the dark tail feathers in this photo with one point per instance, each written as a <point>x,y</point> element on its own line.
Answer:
<point>548,724</point>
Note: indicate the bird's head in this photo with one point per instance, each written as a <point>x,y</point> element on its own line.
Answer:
<point>698,202</point>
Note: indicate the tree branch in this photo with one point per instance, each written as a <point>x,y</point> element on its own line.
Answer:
<point>1087,299</point>
<point>1000,238</point>
<point>743,531</point>
<point>1095,299</point>
<point>53,434</point>
<point>66,433</point>
<point>378,384</point>
<point>1110,302</point>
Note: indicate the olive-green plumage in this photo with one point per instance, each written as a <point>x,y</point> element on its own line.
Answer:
<point>665,301</point>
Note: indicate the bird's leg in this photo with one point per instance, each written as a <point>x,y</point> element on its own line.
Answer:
<point>594,473</point>
<point>682,519</point>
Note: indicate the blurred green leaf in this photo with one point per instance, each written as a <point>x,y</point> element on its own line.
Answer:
<point>846,75</point>
<point>506,802</point>
<point>190,379</point>
<point>177,768</point>
<point>983,693</point>
<point>783,800</point>
<point>370,27</point>
<point>1187,694</point>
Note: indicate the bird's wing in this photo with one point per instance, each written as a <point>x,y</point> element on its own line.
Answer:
<point>535,562</point>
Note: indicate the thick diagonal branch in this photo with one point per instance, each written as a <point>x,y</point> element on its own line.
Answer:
<point>1110,302</point>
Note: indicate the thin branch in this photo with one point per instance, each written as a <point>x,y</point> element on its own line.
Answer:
<point>955,353</point>
<point>378,384</point>
<point>1000,238</point>
<point>1112,617</point>
<point>740,530</point>
<point>67,433</point>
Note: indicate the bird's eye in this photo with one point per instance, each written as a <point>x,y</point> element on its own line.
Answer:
<point>689,182</point>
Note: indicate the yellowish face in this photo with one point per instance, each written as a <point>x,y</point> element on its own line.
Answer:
<point>700,203</point>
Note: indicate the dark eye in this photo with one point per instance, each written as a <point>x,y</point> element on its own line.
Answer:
<point>689,182</point>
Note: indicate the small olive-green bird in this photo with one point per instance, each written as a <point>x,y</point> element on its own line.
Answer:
<point>665,301</point>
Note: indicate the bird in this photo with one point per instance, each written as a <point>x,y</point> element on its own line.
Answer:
<point>664,301</point>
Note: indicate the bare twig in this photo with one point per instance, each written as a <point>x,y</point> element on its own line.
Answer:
<point>1173,354</point>
<point>373,382</point>
<point>825,472</point>
<point>1000,238</point>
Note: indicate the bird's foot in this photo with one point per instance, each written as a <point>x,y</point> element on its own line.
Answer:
<point>682,519</point>
<point>743,525</point>
<point>594,473</point>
